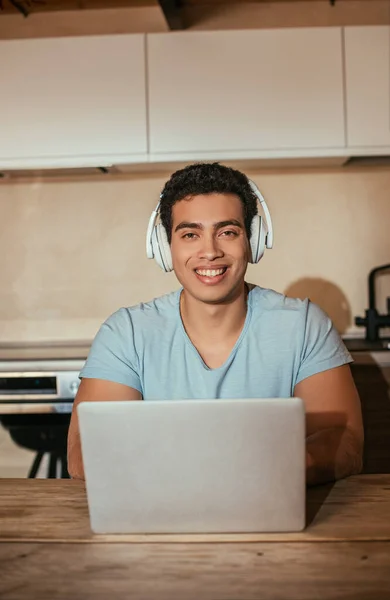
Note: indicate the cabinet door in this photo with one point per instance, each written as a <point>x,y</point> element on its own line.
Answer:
<point>245,90</point>
<point>367,68</point>
<point>73,97</point>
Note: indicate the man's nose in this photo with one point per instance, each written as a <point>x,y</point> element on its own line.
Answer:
<point>210,248</point>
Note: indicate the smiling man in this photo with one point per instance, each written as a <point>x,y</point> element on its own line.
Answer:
<point>220,337</point>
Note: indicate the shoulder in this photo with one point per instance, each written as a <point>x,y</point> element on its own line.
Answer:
<point>270,301</point>
<point>149,313</point>
<point>280,310</point>
<point>122,338</point>
<point>301,326</point>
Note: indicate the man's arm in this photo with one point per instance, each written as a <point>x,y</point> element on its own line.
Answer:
<point>92,390</point>
<point>334,425</point>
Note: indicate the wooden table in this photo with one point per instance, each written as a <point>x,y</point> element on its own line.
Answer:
<point>48,552</point>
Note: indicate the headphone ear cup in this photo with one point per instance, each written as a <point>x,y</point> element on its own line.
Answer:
<point>257,239</point>
<point>156,249</point>
<point>162,251</point>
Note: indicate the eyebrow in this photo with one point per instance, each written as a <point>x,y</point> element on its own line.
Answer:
<point>219,225</point>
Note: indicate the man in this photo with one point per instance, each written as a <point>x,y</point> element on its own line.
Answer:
<point>219,337</point>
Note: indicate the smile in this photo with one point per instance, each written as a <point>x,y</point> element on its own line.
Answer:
<point>210,272</point>
<point>211,277</point>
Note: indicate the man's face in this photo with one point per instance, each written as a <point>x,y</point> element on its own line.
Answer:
<point>209,246</point>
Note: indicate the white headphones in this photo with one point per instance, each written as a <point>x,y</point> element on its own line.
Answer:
<point>262,237</point>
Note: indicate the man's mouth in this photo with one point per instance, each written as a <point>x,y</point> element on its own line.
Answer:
<point>211,276</point>
<point>210,272</point>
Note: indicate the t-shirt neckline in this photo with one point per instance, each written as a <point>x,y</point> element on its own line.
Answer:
<point>236,345</point>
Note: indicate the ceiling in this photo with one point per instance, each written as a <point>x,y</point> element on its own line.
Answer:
<point>34,6</point>
<point>75,17</point>
<point>27,7</point>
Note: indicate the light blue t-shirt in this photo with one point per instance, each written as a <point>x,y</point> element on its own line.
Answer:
<point>283,341</point>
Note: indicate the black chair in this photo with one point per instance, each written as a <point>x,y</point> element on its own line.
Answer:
<point>43,434</point>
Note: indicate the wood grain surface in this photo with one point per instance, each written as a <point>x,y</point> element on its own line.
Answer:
<point>261,571</point>
<point>357,508</point>
<point>344,553</point>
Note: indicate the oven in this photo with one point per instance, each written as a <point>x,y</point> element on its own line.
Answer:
<point>38,384</point>
<point>24,390</point>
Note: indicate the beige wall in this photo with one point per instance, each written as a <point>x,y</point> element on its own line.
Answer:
<point>73,252</point>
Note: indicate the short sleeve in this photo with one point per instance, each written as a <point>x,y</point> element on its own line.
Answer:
<point>322,347</point>
<point>113,355</point>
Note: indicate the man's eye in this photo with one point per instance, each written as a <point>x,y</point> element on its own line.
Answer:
<point>189,236</point>
<point>229,233</point>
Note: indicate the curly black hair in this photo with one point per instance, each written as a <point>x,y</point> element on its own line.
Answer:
<point>206,178</point>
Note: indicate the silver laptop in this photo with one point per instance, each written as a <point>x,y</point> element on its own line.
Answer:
<point>194,466</point>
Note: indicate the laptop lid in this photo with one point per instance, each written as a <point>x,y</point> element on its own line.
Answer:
<point>194,466</point>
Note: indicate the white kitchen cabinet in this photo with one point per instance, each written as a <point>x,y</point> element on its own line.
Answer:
<point>73,100</point>
<point>243,92</point>
<point>367,68</point>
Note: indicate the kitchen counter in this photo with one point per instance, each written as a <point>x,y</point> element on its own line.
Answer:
<point>48,551</point>
<point>362,345</point>
<point>45,351</point>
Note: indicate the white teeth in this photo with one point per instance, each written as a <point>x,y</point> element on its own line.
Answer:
<point>210,272</point>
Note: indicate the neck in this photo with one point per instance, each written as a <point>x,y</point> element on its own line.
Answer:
<point>213,322</point>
